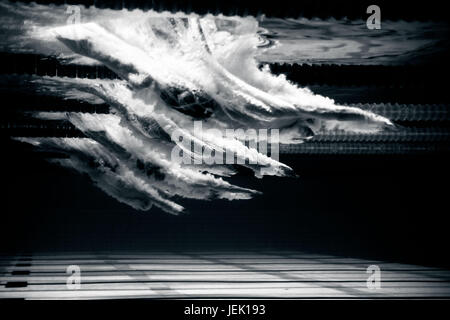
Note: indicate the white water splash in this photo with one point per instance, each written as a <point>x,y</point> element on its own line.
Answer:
<point>175,70</point>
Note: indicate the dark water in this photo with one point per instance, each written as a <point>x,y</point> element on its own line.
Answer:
<point>351,42</point>
<point>386,207</point>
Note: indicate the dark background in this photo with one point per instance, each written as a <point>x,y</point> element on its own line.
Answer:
<point>386,207</point>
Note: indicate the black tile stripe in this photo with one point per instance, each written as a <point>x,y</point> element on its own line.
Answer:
<point>22,261</point>
<point>16,284</point>
<point>23,264</point>
<point>20,272</point>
